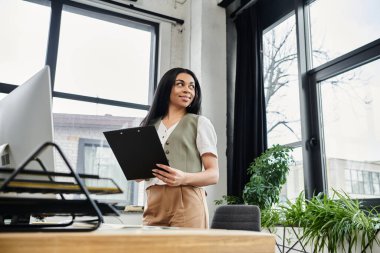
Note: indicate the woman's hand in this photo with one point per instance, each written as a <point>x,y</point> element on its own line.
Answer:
<point>174,177</point>
<point>169,175</point>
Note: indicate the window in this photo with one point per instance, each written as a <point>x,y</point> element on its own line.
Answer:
<point>362,183</point>
<point>23,43</point>
<point>81,136</point>
<point>103,70</point>
<point>108,57</point>
<point>340,26</point>
<point>104,56</point>
<point>282,97</point>
<point>375,183</point>
<point>340,96</point>
<point>337,65</point>
<point>347,181</point>
<point>96,157</point>
<point>349,107</point>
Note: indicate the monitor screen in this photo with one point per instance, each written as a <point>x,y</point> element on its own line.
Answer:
<point>26,121</point>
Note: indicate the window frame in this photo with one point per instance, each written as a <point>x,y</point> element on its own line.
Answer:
<point>310,78</point>
<point>52,53</point>
<point>347,62</point>
<point>53,45</point>
<point>296,144</point>
<point>57,6</point>
<point>315,174</point>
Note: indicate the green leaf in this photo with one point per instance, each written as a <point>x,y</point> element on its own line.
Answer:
<point>268,174</point>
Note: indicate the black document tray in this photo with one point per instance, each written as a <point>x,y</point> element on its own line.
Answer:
<point>33,206</point>
<point>19,209</point>
<point>41,184</point>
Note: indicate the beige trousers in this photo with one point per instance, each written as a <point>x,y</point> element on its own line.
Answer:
<point>179,206</point>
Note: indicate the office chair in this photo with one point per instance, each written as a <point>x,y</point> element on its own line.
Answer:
<point>237,217</point>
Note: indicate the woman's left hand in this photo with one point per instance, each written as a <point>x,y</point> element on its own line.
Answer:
<point>169,175</point>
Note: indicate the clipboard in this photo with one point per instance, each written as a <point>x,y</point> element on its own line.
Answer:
<point>137,151</point>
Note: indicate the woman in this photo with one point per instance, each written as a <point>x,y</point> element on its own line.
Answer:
<point>175,197</point>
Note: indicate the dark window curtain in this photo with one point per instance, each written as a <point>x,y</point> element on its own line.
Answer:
<point>250,135</point>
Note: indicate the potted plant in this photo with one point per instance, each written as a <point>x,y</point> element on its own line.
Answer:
<point>336,224</point>
<point>268,174</point>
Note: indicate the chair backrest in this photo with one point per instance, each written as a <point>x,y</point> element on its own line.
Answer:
<point>237,217</point>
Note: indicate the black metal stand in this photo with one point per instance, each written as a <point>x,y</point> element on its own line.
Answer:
<point>371,241</point>
<point>282,247</point>
<point>17,207</point>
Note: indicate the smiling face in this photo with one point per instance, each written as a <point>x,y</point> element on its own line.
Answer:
<point>183,91</point>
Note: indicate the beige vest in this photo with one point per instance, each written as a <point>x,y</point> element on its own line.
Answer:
<point>181,147</point>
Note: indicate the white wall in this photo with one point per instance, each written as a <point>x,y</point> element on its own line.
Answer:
<point>208,59</point>
<point>200,45</point>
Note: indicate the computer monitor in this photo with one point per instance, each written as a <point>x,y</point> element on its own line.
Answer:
<point>26,121</point>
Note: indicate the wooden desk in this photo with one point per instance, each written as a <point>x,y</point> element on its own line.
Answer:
<point>139,240</point>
